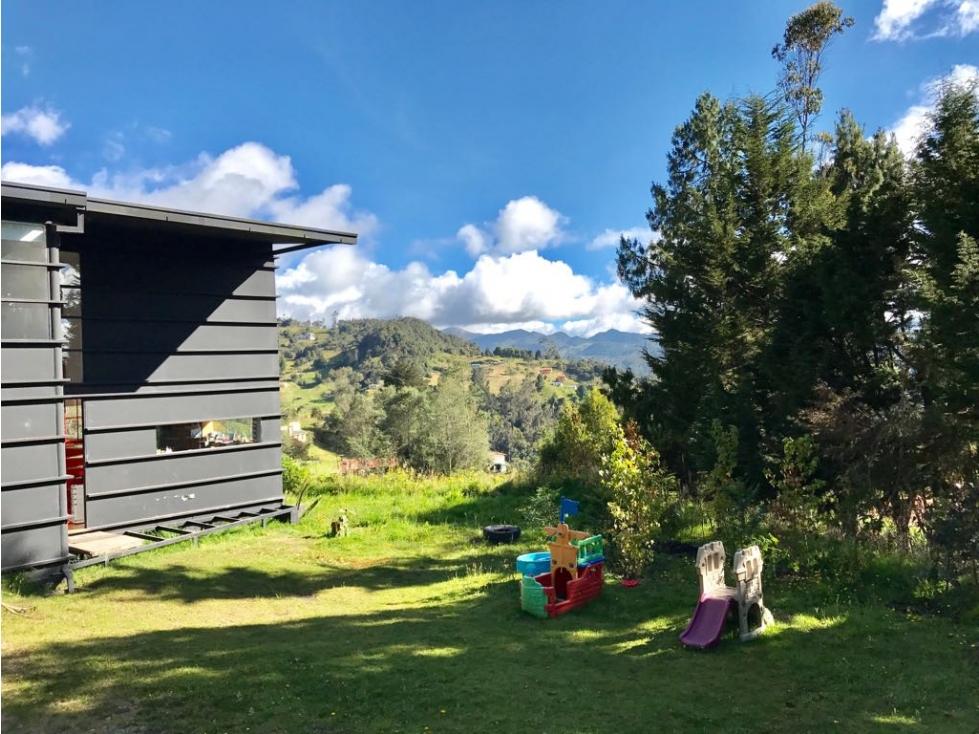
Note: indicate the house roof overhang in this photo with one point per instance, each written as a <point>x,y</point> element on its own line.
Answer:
<point>72,208</point>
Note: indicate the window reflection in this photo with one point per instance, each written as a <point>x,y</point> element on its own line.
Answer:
<point>207,434</point>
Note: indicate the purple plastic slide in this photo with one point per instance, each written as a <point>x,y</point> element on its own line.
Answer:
<point>708,622</point>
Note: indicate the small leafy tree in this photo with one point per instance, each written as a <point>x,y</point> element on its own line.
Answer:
<point>798,503</point>
<point>795,514</point>
<point>296,478</point>
<point>637,486</point>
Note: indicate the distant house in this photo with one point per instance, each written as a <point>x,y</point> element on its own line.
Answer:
<point>545,370</point>
<point>497,462</point>
<point>295,431</point>
<point>140,369</point>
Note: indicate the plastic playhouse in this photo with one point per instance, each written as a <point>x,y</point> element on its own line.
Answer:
<point>567,576</point>
<point>717,598</point>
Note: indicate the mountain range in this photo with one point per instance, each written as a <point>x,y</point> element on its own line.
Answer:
<point>618,348</point>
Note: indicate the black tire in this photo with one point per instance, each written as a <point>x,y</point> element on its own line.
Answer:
<point>501,533</point>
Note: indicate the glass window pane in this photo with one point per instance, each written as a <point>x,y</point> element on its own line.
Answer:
<point>212,434</point>
<point>22,231</point>
<point>35,252</point>
<point>25,320</point>
<point>25,281</point>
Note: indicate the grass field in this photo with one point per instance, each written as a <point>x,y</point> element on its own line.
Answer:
<point>412,624</point>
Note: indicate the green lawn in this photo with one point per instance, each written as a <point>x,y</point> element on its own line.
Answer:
<point>412,624</point>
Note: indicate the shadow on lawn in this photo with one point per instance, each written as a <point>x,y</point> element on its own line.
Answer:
<point>474,663</point>
<point>177,582</point>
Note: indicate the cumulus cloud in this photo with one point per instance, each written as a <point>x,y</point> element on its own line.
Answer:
<point>901,20</point>
<point>43,125</point>
<point>51,176</point>
<point>520,290</point>
<point>249,180</point>
<point>914,123</point>
<point>507,287</point>
<point>521,226</point>
<point>611,237</point>
<point>476,240</point>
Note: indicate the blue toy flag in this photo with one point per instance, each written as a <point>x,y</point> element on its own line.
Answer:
<point>568,507</point>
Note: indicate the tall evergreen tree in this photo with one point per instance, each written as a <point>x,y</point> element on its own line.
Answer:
<point>728,219</point>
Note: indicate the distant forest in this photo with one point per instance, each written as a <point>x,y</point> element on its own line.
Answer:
<point>402,388</point>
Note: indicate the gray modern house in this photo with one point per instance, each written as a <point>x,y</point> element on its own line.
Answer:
<point>139,370</point>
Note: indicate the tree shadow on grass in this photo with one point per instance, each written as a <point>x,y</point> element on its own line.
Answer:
<point>470,661</point>
<point>190,584</point>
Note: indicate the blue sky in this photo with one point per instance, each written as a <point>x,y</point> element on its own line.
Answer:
<point>488,154</point>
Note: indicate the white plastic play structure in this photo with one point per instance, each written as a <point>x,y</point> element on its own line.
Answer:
<point>716,596</point>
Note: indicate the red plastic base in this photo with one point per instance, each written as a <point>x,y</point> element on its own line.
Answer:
<point>579,591</point>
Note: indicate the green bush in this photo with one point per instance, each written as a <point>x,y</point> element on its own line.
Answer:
<point>638,488</point>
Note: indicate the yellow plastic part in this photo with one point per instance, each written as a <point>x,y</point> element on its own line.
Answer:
<point>563,553</point>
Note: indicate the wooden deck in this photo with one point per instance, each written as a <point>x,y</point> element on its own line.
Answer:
<point>99,543</point>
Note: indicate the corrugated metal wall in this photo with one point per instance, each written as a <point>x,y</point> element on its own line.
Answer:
<point>174,330</point>
<point>32,464</point>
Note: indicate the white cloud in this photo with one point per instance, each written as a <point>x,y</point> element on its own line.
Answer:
<point>522,225</point>
<point>967,16</point>
<point>476,240</point>
<point>44,126</point>
<point>611,237</point>
<point>158,134</point>
<point>249,180</point>
<point>901,20</point>
<point>914,123</point>
<point>520,290</point>
<point>114,148</point>
<point>52,176</point>
<point>25,53</point>
<point>502,290</point>
<point>528,224</point>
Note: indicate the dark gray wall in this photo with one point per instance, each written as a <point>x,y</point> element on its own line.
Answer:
<point>33,492</point>
<point>174,330</point>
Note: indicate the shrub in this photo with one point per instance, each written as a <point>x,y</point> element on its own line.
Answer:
<point>638,488</point>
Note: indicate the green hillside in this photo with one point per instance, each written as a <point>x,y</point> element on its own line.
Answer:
<point>359,370</point>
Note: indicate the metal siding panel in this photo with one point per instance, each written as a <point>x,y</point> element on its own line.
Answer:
<point>25,320</point>
<point>162,409</point>
<point>188,307</point>
<point>31,420</point>
<point>29,462</point>
<point>131,336</point>
<point>261,283</point>
<point>149,506</point>
<point>202,388</point>
<point>120,444</point>
<point>180,467</point>
<point>163,280</point>
<point>271,429</point>
<point>35,364</point>
<point>30,504</point>
<point>31,546</point>
<point>33,392</point>
<point>120,368</point>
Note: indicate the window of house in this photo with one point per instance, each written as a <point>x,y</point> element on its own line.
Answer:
<point>25,312</point>
<point>71,314</point>
<point>23,241</point>
<point>212,434</point>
